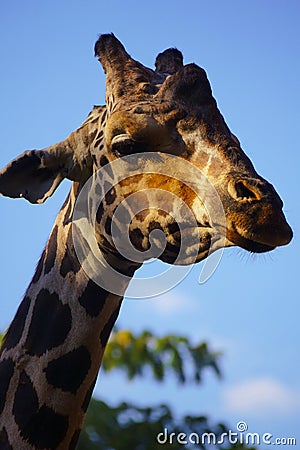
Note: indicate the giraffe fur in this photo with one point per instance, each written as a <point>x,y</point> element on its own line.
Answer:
<point>53,349</point>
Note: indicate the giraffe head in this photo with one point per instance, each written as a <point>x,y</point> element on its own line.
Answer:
<point>181,160</point>
<point>172,112</point>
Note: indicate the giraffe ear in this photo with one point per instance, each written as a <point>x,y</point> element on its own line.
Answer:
<point>35,175</point>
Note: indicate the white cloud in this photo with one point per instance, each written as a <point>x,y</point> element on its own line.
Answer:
<point>170,303</point>
<point>262,396</point>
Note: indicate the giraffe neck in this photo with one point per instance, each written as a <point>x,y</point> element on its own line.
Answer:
<point>54,347</point>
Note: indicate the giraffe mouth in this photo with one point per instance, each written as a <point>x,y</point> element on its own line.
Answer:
<point>253,246</point>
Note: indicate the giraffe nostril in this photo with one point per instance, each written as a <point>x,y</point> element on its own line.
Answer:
<point>243,190</point>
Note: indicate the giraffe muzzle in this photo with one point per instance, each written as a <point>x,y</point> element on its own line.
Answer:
<point>255,220</point>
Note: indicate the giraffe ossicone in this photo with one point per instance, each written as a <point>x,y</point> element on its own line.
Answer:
<point>185,177</point>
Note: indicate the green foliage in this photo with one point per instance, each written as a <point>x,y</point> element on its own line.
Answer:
<point>127,427</point>
<point>161,356</point>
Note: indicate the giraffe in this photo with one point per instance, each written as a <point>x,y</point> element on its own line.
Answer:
<point>53,348</point>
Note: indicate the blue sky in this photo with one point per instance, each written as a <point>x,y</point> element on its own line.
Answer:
<point>249,308</point>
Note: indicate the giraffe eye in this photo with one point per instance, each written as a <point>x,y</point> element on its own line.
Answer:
<point>123,145</point>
